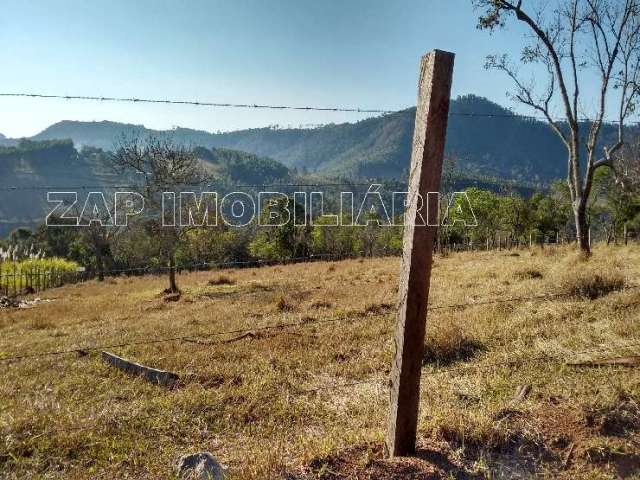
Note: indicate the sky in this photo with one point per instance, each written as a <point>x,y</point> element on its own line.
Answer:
<point>349,53</point>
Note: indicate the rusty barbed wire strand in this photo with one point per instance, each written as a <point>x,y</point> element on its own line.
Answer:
<point>362,316</point>
<point>263,106</point>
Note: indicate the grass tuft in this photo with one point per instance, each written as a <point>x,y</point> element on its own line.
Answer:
<point>221,280</point>
<point>589,285</point>
<point>321,304</point>
<point>528,274</point>
<point>378,308</point>
<point>283,305</point>
<point>448,344</point>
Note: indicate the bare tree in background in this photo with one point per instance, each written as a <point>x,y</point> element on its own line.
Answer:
<point>162,168</point>
<point>627,166</point>
<point>575,41</point>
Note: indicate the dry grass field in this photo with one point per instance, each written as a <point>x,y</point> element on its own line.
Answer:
<point>309,402</point>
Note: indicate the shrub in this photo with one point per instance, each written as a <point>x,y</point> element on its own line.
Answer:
<point>447,344</point>
<point>528,274</point>
<point>590,285</point>
<point>222,280</point>
<point>378,308</point>
<point>283,305</point>
<point>318,304</point>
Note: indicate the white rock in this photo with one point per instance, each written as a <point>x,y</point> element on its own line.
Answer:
<point>200,466</point>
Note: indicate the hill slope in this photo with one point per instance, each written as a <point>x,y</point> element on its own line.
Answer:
<point>509,147</point>
<point>57,164</point>
<point>309,399</point>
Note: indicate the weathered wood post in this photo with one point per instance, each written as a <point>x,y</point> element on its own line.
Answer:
<point>434,91</point>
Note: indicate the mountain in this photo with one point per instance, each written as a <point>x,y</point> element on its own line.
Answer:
<point>58,165</point>
<point>6,142</point>
<point>236,167</point>
<point>483,137</point>
<point>490,146</point>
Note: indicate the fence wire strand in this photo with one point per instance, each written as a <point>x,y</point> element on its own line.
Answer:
<point>279,326</point>
<point>266,106</point>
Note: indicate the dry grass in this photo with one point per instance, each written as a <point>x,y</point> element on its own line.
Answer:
<point>591,285</point>
<point>221,280</point>
<point>529,274</point>
<point>266,404</point>
<point>284,305</point>
<point>448,343</point>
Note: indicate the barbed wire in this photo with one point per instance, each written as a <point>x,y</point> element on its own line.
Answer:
<point>200,185</point>
<point>191,336</point>
<point>193,267</point>
<point>261,106</point>
<point>334,386</point>
<point>352,317</point>
<point>199,103</point>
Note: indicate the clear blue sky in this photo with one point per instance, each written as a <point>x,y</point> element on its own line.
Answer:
<point>361,53</point>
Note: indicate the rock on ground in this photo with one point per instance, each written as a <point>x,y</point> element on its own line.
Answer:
<point>200,466</point>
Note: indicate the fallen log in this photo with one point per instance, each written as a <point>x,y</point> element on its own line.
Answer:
<point>153,375</point>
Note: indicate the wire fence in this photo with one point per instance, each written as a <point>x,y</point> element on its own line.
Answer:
<point>295,391</point>
<point>30,282</point>
<point>35,280</point>
<point>287,325</point>
<point>265,106</point>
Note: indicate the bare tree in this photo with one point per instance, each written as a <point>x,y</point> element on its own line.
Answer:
<point>627,167</point>
<point>161,168</point>
<point>575,41</point>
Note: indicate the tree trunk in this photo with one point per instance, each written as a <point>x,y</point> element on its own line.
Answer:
<point>100,264</point>
<point>173,287</point>
<point>582,228</point>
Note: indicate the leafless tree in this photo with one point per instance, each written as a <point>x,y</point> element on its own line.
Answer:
<point>575,41</point>
<point>160,167</point>
<point>627,166</point>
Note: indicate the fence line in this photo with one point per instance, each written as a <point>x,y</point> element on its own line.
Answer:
<point>30,281</point>
<point>280,326</point>
<point>36,281</point>
<point>372,382</point>
<point>206,185</point>
<point>261,106</point>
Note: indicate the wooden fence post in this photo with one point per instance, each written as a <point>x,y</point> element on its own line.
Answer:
<point>434,91</point>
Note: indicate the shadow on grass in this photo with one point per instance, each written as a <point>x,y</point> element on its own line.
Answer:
<point>443,352</point>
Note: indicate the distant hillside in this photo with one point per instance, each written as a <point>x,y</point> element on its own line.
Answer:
<point>57,164</point>
<point>6,142</point>
<point>235,167</point>
<point>513,148</point>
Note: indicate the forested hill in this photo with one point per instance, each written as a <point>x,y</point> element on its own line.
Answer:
<point>509,147</point>
<point>5,142</point>
<point>31,168</point>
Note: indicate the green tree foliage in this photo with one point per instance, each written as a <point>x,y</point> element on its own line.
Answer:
<point>506,216</point>
<point>278,236</point>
